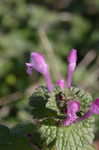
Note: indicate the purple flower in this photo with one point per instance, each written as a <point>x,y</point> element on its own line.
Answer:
<point>60,83</point>
<point>72,59</point>
<point>38,63</point>
<point>29,68</point>
<point>94,109</point>
<point>73,107</point>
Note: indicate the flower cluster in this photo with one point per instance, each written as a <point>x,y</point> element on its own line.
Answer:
<point>38,63</point>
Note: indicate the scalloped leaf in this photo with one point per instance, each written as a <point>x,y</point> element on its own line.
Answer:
<point>51,104</point>
<point>75,137</point>
<point>84,98</point>
<point>38,103</point>
<point>78,136</point>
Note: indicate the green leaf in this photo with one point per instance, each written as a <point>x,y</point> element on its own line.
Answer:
<point>84,98</point>
<point>51,104</point>
<point>38,103</point>
<point>48,133</point>
<point>78,136</point>
<point>75,137</point>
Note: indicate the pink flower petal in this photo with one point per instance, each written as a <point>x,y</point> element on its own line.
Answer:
<point>61,83</point>
<point>38,63</point>
<point>72,59</point>
<point>73,107</point>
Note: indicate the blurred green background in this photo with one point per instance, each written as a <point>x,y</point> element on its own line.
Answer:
<point>52,27</point>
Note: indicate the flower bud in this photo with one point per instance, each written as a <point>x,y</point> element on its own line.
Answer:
<point>60,83</point>
<point>38,63</point>
<point>72,59</point>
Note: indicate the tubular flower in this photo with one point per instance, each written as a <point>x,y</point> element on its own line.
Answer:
<point>94,109</point>
<point>95,106</point>
<point>38,63</point>
<point>73,107</point>
<point>61,83</point>
<point>72,59</point>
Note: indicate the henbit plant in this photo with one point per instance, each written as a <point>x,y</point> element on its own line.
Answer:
<point>63,114</point>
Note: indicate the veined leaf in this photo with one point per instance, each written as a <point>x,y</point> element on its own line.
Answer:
<point>78,136</point>
<point>38,103</point>
<point>75,137</point>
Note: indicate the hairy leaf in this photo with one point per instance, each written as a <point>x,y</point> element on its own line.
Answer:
<point>38,103</point>
<point>78,136</point>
